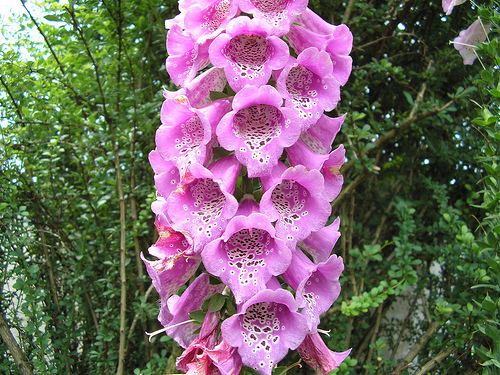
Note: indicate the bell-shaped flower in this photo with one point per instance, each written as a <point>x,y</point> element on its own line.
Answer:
<point>166,174</point>
<point>316,354</point>
<point>198,90</point>
<point>329,165</point>
<point>203,202</point>
<point>175,264</point>
<point>185,55</point>
<point>331,173</point>
<point>248,254</point>
<point>319,137</point>
<point>248,52</point>
<point>295,198</point>
<point>186,134</point>
<point>179,327</point>
<point>258,128</point>
<point>320,244</point>
<point>308,86</point>
<point>206,21</point>
<point>317,285</point>
<point>173,267</point>
<point>278,14</point>
<point>312,31</point>
<point>265,328</point>
<point>208,357</point>
<point>466,42</point>
<point>448,5</point>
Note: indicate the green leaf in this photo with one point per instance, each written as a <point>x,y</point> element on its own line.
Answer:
<point>198,316</point>
<point>408,97</point>
<point>216,302</point>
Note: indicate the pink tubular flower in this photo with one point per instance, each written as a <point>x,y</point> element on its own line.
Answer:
<point>166,174</point>
<point>316,354</point>
<point>308,86</point>
<point>317,285</point>
<point>185,55</point>
<point>312,31</point>
<point>278,14</point>
<point>206,21</point>
<point>265,328</point>
<point>320,244</point>
<point>318,139</point>
<point>466,42</point>
<point>174,266</point>
<point>203,202</point>
<point>295,197</point>
<point>198,90</point>
<point>205,356</point>
<point>448,5</point>
<point>258,129</point>
<point>248,52</point>
<point>179,307</point>
<point>186,133</point>
<point>248,254</point>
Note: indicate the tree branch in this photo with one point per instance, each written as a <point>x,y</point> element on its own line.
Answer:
<point>13,346</point>
<point>422,342</point>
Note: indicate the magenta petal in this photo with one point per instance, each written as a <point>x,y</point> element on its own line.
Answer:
<point>308,85</point>
<point>319,137</point>
<point>335,40</point>
<point>299,203</point>
<point>198,90</point>
<point>258,129</point>
<point>185,136</point>
<point>278,14</point>
<point>204,202</point>
<point>180,307</point>
<point>466,42</point>
<point>226,358</point>
<point>299,153</point>
<point>166,174</point>
<point>316,354</point>
<point>320,244</point>
<point>448,5</point>
<point>319,286</point>
<point>315,23</point>
<point>185,55</point>
<point>174,268</point>
<point>247,255</point>
<point>331,172</point>
<point>266,327</point>
<point>206,21</point>
<point>248,53</point>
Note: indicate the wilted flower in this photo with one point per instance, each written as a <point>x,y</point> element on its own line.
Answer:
<point>206,356</point>
<point>466,42</point>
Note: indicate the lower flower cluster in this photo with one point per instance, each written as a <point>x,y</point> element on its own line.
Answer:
<point>245,174</point>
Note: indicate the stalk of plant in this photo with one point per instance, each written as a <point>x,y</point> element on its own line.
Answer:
<point>245,176</point>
